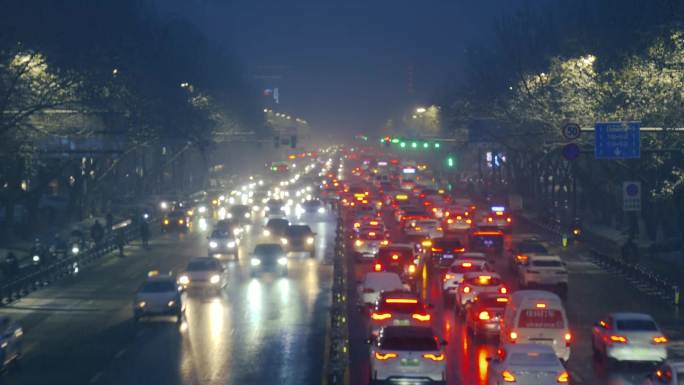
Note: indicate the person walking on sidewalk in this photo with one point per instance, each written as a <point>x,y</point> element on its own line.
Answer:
<point>120,242</point>
<point>145,234</point>
<point>109,220</point>
<point>97,232</point>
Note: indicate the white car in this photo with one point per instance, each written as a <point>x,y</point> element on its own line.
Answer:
<point>526,364</point>
<point>408,354</point>
<point>398,308</point>
<point>668,373</point>
<point>10,342</point>
<point>429,228</point>
<point>203,273</point>
<point>477,283</point>
<point>544,270</point>
<point>454,275</point>
<point>367,244</point>
<point>375,282</point>
<point>629,337</point>
<point>222,244</point>
<point>159,295</point>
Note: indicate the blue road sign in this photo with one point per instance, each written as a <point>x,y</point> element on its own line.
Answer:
<point>617,140</point>
<point>571,151</point>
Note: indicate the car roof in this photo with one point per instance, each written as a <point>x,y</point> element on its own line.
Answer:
<point>399,294</point>
<point>392,246</point>
<point>380,276</point>
<point>631,316</point>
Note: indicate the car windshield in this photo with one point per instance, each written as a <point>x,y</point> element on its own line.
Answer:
<point>158,287</point>
<point>203,265</point>
<point>219,234</point>
<point>298,231</point>
<point>636,325</point>
<point>269,250</point>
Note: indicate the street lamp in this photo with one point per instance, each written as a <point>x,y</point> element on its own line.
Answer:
<point>421,110</point>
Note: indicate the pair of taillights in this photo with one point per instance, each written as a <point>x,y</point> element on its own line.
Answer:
<point>618,339</point>
<point>508,376</point>
<point>513,336</point>
<point>424,317</point>
<point>467,289</point>
<point>379,267</point>
<point>388,356</point>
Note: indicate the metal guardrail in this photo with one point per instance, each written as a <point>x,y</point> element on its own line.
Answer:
<point>636,273</point>
<point>338,349</point>
<point>34,277</point>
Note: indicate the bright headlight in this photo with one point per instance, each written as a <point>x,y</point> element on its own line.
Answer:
<point>213,244</point>
<point>184,280</point>
<point>282,261</point>
<point>231,200</point>
<point>75,250</point>
<point>267,208</point>
<point>229,215</point>
<point>171,303</point>
<point>247,215</point>
<point>321,210</point>
<point>284,241</point>
<point>310,241</point>
<point>255,261</point>
<point>141,304</point>
<point>202,209</point>
<point>231,244</point>
<point>267,233</point>
<point>214,279</point>
<point>36,258</point>
<point>164,205</point>
<point>255,208</point>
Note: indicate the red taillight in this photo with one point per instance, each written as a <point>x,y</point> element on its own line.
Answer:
<point>385,356</point>
<point>484,316</point>
<point>509,220</point>
<point>377,267</point>
<point>395,257</point>
<point>659,340</point>
<point>507,376</point>
<point>380,316</point>
<point>513,336</point>
<point>421,317</point>
<point>503,290</point>
<point>617,339</point>
<point>437,249</point>
<point>568,338</point>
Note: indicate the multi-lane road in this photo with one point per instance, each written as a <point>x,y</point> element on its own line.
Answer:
<point>263,330</point>
<point>593,292</point>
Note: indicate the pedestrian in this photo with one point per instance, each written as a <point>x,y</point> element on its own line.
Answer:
<point>97,232</point>
<point>109,221</point>
<point>145,233</point>
<point>120,241</point>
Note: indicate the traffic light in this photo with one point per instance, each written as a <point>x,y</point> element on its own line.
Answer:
<point>414,145</point>
<point>451,161</point>
<point>437,145</point>
<point>402,144</point>
<point>426,145</point>
<point>386,141</point>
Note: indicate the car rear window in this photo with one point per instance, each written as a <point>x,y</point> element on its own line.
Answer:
<point>209,264</point>
<point>298,230</point>
<point>546,263</point>
<point>637,325</point>
<point>389,306</point>
<point>408,343</point>
<point>532,358</point>
<point>158,287</point>
<point>268,250</point>
<point>541,319</point>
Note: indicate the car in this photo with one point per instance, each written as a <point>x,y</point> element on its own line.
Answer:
<point>229,227</point>
<point>176,220</point>
<point>620,337</point>
<point>522,249</point>
<point>222,243</point>
<point>407,354</point>
<point>314,206</point>
<point>276,228</point>
<point>669,372</point>
<point>367,243</point>
<point>483,316</point>
<point>397,307</point>
<point>269,257</point>
<point>444,251</point>
<point>544,271</point>
<point>398,258</point>
<point>456,221</point>
<point>497,218</point>
<point>537,316</point>
<point>475,284</point>
<point>526,364</point>
<point>374,283</point>
<point>369,223</point>
<point>159,295</point>
<point>299,238</point>
<point>11,342</point>
<point>203,274</point>
<point>489,242</point>
<point>240,214</point>
<point>456,272</point>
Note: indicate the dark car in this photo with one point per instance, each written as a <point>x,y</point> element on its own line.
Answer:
<point>487,241</point>
<point>175,221</point>
<point>299,238</point>
<point>444,251</point>
<point>522,250</point>
<point>269,257</point>
<point>276,227</point>
<point>399,259</point>
<point>240,214</point>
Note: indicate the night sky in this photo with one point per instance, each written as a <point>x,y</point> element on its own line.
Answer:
<point>346,63</point>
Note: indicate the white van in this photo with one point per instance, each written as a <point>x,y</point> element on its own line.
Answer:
<point>537,316</point>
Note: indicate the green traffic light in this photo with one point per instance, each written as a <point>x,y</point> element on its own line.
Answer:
<point>414,145</point>
<point>451,162</point>
<point>426,145</point>
<point>437,145</point>
<point>395,140</point>
<point>402,144</point>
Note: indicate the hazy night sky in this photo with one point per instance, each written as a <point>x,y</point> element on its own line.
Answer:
<point>347,61</point>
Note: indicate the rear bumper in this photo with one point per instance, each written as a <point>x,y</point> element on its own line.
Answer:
<point>637,353</point>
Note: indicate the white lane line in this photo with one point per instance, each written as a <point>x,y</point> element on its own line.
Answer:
<point>96,377</point>
<point>120,353</point>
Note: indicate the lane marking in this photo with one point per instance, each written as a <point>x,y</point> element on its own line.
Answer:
<point>120,353</point>
<point>96,377</point>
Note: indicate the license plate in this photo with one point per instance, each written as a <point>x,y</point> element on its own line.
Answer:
<point>450,256</point>
<point>410,363</point>
<point>402,322</point>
